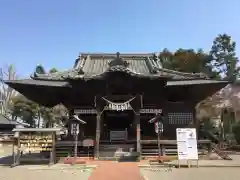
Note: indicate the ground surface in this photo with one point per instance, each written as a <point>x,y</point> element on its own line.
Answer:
<point>106,170</point>
<point>23,173</point>
<point>119,171</point>
<point>116,171</point>
<point>201,173</point>
<point>193,173</point>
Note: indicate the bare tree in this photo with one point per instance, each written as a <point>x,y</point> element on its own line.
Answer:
<point>6,92</point>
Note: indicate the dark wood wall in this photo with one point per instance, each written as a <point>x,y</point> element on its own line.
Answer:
<point>177,115</point>
<point>176,102</point>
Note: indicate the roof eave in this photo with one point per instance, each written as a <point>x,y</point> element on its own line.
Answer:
<point>36,82</point>
<point>195,82</point>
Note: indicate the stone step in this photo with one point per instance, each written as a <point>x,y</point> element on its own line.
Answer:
<point>116,146</point>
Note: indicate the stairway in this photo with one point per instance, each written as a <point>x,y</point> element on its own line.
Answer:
<point>65,149</point>
<point>216,146</point>
<point>116,151</point>
<point>220,153</point>
<point>151,150</point>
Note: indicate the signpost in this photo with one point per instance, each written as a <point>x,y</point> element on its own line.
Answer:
<point>158,124</point>
<point>75,132</point>
<point>187,145</point>
<point>159,130</point>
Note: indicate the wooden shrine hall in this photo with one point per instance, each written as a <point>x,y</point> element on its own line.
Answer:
<point>117,94</point>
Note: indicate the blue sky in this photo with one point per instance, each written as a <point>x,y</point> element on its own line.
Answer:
<point>52,33</point>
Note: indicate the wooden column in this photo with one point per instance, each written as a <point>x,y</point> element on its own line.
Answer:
<point>98,132</point>
<point>53,151</point>
<point>138,129</point>
<point>18,155</point>
<point>71,113</point>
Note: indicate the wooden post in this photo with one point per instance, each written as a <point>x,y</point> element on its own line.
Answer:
<point>158,139</point>
<point>209,146</point>
<point>53,152</point>
<point>138,129</point>
<point>98,121</point>
<point>17,158</point>
<point>75,147</point>
<point>18,149</point>
<point>13,152</point>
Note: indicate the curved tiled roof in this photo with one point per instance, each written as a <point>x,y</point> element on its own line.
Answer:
<point>95,65</point>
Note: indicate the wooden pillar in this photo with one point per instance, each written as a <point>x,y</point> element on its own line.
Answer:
<point>53,151</point>
<point>98,132</point>
<point>138,129</point>
<point>13,151</point>
<point>18,155</point>
<point>71,113</point>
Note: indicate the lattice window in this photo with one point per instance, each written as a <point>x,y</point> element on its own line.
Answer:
<point>180,118</point>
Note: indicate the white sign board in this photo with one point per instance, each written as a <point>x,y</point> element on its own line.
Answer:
<point>192,144</point>
<point>158,127</point>
<point>150,111</point>
<point>74,129</point>
<point>85,111</point>
<point>187,144</point>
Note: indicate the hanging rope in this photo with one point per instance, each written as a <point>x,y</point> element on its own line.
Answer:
<point>119,106</point>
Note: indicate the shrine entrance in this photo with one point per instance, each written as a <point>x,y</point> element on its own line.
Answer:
<point>118,126</point>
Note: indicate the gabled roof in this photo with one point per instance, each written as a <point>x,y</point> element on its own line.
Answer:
<point>7,121</point>
<point>96,65</point>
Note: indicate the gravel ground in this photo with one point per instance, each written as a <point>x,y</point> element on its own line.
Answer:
<point>22,173</point>
<point>192,173</point>
<point>201,173</point>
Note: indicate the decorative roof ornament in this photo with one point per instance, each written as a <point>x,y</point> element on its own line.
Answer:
<point>118,61</point>
<point>157,60</point>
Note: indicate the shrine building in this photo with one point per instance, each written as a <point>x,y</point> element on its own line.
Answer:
<point>117,94</point>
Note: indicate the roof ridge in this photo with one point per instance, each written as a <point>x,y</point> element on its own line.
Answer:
<point>77,68</point>
<point>152,68</point>
<point>122,55</point>
<point>201,75</point>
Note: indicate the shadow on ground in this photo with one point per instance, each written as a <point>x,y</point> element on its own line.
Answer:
<point>6,161</point>
<point>33,159</point>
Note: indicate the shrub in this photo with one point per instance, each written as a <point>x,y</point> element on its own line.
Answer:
<point>236,132</point>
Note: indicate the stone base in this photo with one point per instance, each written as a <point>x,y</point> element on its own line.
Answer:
<point>71,160</point>
<point>161,158</point>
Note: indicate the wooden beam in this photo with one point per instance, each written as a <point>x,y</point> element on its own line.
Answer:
<point>172,142</point>
<point>98,132</point>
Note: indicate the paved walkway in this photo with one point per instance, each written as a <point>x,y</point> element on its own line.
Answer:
<point>116,171</point>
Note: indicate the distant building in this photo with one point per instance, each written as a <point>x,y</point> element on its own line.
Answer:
<point>7,125</point>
